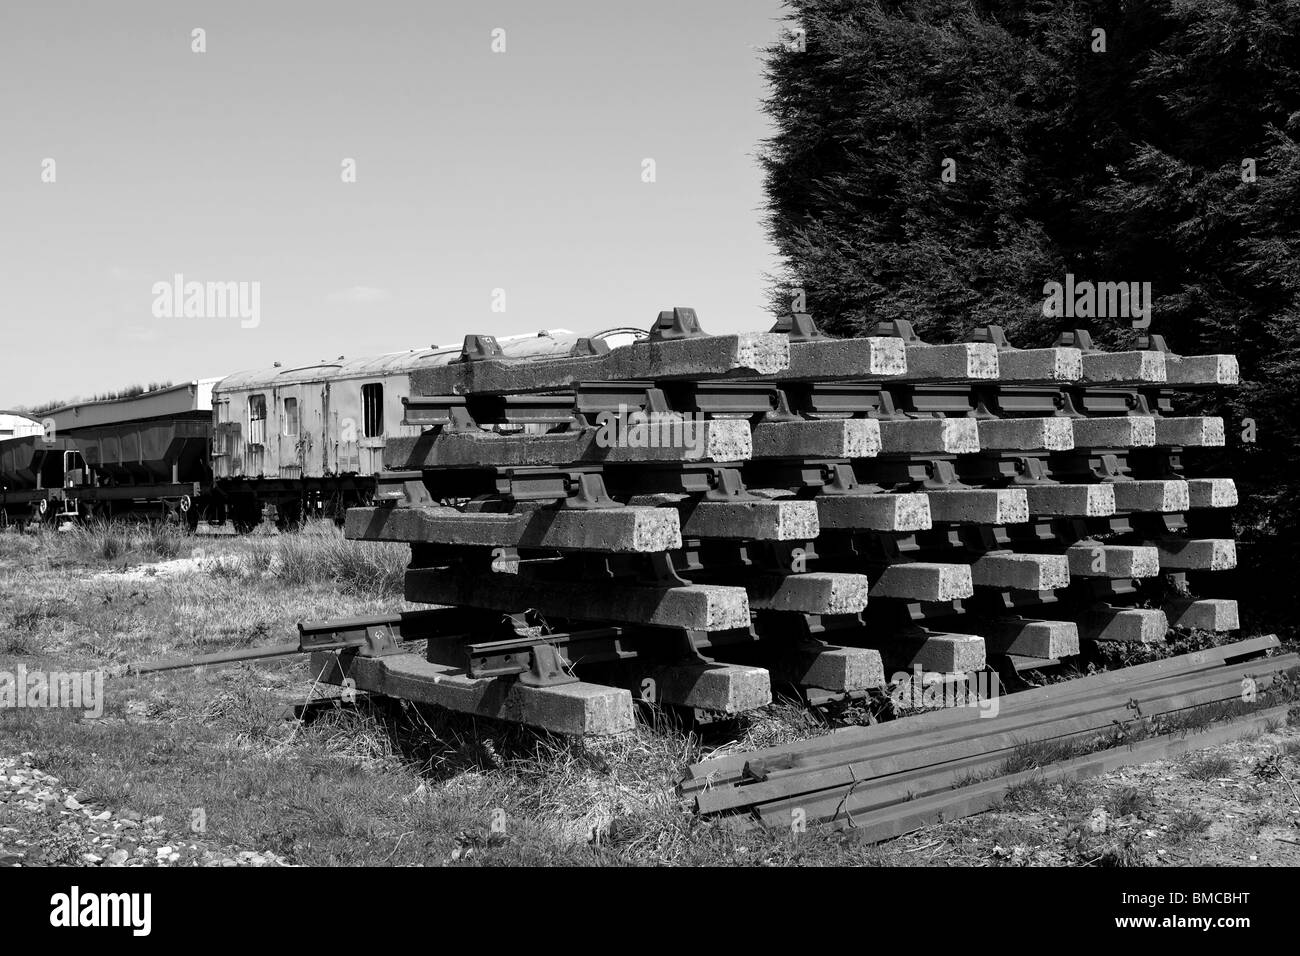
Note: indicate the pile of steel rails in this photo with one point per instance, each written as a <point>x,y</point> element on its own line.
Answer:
<point>885,780</point>
<point>692,519</point>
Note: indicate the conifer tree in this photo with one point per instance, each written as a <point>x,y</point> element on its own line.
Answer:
<point>1164,149</point>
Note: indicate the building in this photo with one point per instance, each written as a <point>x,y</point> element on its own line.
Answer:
<point>18,425</point>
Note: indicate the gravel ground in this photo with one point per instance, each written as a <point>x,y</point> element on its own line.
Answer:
<point>45,824</point>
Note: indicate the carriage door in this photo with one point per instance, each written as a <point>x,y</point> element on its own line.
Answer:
<point>291,435</point>
<point>330,433</point>
<point>256,444</point>
<point>372,437</point>
<point>311,446</point>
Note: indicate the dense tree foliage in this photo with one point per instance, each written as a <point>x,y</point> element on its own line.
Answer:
<point>1170,156</point>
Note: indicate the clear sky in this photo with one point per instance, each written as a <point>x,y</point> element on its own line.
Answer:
<point>475,171</point>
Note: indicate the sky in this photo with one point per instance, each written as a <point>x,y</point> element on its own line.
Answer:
<point>383,176</point>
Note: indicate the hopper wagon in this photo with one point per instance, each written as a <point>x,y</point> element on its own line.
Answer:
<point>143,454</point>
<point>31,478</point>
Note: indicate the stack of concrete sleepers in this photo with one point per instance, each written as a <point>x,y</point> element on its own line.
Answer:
<point>690,518</point>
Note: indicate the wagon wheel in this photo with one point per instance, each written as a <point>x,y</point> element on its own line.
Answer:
<point>192,515</point>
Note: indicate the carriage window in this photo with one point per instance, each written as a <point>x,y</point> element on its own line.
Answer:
<point>291,418</point>
<point>257,419</point>
<point>372,409</point>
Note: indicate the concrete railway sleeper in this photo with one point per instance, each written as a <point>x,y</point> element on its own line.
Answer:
<point>693,519</point>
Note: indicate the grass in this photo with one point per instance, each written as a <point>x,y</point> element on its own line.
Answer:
<point>63,599</point>
<point>1128,800</point>
<point>1014,833</point>
<point>402,785</point>
<point>381,782</point>
<point>320,554</point>
<point>1209,767</point>
<point>1185,824</point>
<point>1033,754</point>
<point>1033,791</point>
<point>99,542</point>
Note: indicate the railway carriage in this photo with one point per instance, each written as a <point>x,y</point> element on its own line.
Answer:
<point>287,443</point>
<point>309,441</point>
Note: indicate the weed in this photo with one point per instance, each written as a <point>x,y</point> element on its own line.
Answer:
<point>1033,792</point>
<point>1268,767</point>
<point>320,554</point>
<point>1186,823</point>
<point>1128,800</point>
<point>1208,767</point>
<point>1032,754</point>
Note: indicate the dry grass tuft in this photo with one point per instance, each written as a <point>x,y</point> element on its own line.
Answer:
<point>1209,767</point>
<point>319,554</point>
<point>98,541</point>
